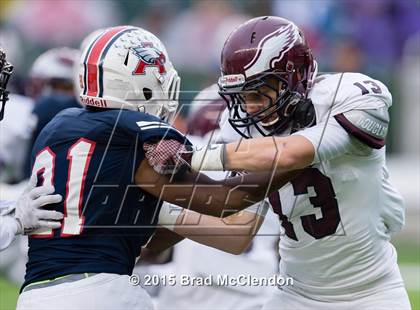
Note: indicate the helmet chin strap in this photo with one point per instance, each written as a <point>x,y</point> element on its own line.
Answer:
<point>304,115</point>
<point>270,123</point>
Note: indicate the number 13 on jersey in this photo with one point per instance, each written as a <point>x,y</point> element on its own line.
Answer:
<point>323,197</point>
<point>78,156</point>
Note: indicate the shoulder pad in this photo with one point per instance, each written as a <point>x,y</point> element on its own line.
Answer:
<point>364,91</point>
<point>368,126</point>
<point>150,127</point>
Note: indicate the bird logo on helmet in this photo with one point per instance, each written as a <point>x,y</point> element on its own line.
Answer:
<point>149,56</point>
<point>276,43</point>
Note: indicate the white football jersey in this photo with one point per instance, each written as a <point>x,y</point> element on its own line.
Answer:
<point>339,213</point>
<point>15,133</point>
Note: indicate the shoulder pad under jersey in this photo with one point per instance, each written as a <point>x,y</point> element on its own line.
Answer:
<point>368,126</point>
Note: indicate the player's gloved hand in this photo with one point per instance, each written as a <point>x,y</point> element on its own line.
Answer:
<point>163,156</point>
<point>28,213</point>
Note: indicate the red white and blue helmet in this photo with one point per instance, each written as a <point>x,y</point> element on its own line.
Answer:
<point>127,67</point>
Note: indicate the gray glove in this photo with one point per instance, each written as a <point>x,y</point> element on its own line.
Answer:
<point>29,214</point>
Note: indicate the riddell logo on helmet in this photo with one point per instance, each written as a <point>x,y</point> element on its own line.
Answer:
<point>232,80</point>
<point>101,103</point>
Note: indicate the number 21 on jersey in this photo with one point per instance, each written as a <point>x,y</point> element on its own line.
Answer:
<point>78,156</point>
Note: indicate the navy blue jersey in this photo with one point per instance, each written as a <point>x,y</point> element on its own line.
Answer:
<point>91,159</point>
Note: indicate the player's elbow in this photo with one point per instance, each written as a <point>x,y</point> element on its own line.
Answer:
<point>235,244</point>
<point>236,251</point>
<point>243,246</point>
<point>240,245</point>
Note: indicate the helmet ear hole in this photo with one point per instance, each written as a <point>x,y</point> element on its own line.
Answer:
<point>148,94</point>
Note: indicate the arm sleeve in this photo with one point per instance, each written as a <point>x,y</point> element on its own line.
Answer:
<point>330,140</point>
<point>7,207</point>
<point>8,226</point>
<point>7,230</point>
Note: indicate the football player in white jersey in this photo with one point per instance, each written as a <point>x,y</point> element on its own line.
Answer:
<point>339,214</point>
<point>23,215</point>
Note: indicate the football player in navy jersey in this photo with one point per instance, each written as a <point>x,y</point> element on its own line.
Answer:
<point>95,158</point>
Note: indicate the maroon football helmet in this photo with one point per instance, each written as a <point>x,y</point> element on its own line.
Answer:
<point>259,53</point>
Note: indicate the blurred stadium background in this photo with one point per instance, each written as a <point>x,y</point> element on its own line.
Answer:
<point>380,38</point>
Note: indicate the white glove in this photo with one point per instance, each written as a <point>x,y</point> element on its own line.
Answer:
<point>28,214</point>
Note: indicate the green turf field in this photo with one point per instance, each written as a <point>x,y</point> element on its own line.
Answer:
<point>8,295</point>
<point>408,258</point>
<point>414,299</point>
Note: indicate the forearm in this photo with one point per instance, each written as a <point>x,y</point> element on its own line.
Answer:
<point>231,234</point>
<point>267,154</point>
<point>260,154</point>
<point>278,154</point>
<point>162,240</point>
<point>251,188</point>
<point>220,198</point>
<point>202,194</point>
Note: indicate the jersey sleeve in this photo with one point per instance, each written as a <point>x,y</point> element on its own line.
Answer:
<point>330,140</point>
<point>359,104</point>
<point>7,230</point>
<point>362,109</point>
<point>356,91</point>
<point>368,126</point>
<point>6,207</point>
